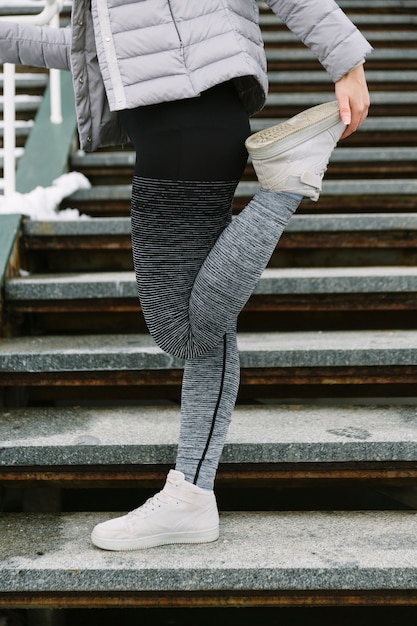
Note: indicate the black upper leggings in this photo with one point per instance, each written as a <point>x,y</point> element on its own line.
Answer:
<point>194,139</point>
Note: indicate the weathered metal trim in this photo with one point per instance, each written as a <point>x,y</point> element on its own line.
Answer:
<point>226,599</point>
<point>355,375</point>
<point>251,474</point>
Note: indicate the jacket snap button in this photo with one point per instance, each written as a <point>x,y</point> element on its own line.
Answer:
<point>89,139</point>
<point>81,80</point>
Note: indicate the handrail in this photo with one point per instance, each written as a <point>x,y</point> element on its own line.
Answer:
<point>49,15</point>
<point>51,8</point>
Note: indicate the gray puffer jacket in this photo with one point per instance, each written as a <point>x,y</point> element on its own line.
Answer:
<point>129,53</point>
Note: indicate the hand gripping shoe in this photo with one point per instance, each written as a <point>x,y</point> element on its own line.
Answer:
<point>293,156</point>
<point>180,513</point>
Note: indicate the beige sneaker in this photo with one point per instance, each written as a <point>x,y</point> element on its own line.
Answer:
<point>180,513</point>
<point>293,156</point>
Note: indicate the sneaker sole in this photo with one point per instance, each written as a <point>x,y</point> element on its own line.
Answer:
<point>202,536</point>
<point>277,139</point>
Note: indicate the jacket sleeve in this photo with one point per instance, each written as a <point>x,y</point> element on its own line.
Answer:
<point>38,46</point>
<point>326,30</point>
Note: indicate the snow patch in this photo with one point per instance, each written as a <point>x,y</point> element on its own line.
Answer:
<point>42,203</point>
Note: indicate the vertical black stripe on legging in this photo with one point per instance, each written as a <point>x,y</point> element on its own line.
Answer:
<point>216,409</point>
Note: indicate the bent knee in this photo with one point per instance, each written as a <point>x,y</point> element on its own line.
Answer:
<point>176,344</point>
<point>183,345</point>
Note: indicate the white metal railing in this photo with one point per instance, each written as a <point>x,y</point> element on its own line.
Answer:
<point>49,15</point>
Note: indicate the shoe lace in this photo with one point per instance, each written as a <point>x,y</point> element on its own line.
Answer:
<point>151,504</point>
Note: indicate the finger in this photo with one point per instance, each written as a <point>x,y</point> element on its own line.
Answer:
<point>358,117</point>
<point>345,110</point>
<point>359,113</point>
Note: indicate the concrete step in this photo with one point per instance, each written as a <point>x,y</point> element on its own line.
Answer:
<point>299,223</point>
<point>308,99</point>
<point>338,240</point>
<point>134,352</point>
<point>377,5</point>
<point>360,5</point>
<point>383,124</point>
<point>374,77</point>
<point>126,158</point>
<point>109,367</point>
<point>273,281</point>
<point>304,54</point>
<point>284,557</point>
<point>345,188</point>
<point>374,36</point>
<point>148,435</point>
<point>361,19</point>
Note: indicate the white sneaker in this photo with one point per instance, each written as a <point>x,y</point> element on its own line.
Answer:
<point>180,513</point>
<point>293,156</point>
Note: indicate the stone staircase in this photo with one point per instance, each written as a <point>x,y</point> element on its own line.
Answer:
<point>317,482</point>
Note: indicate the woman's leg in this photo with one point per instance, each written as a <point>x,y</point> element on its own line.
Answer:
<point>195,269</point>
<point>174,226</point>
<point>209,391</point>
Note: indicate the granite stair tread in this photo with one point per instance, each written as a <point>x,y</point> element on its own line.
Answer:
<point>298,223</point>
<point>360,18</point>
<point>375,187</point>
<point>277,551</point>
<point>126,158</point>
<point>91,285</point>
<point>372,35</point>
<point>304,54</point>
<point>264,433</point>
<point>308,99</point>
<point>367,348</point>
<point>320,76</point>
<point>383,124</point>
<point>361,5</point>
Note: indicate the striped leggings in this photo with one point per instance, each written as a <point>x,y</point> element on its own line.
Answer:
<point>195,268</point>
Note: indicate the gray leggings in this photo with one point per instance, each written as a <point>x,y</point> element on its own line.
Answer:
<point>196,268</point>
